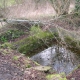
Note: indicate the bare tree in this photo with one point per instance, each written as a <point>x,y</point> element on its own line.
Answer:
<point>2,7</point>
<point>61,6</point>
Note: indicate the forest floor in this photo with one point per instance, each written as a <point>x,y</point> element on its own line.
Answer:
<point>14,66</point>
<point>75,75</point>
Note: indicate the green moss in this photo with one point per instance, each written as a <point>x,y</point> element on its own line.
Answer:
<point>28,66</point>
<point>73,44</point>
<point>32,45</point>
<point>6,45</point>
<point>56,77</point>
<point>15,57</point>
<point>36,63</point>
<point>4,51</point>
<point>38,39</point>
<point>71,41</point>
<point>38,33</point>
<point>8,3</point>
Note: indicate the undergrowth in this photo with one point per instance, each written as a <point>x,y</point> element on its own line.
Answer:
<point>37,40</point>
<point>10,35</point>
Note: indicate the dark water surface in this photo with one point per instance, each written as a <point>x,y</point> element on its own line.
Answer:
<point>59,58</point>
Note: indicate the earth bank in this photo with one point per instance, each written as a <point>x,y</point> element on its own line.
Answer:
<point>24,69</point>
<point>15,66</point>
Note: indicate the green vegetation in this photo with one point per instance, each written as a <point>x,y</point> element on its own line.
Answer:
<point>10,2</point>
<point>6,45</point>
<point>36,63</point>
<point>7,3</point>
<point>73,44</point>
<point>38,40</point>
<point>77,7</point>
<point>70,39</point>
<point>28,66</point>
<point>10,35</point>
<point>56,77</point>
<point>4,51</point>
<point>15,58</point>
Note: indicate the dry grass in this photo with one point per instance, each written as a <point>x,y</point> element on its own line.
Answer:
<point>31,10</point>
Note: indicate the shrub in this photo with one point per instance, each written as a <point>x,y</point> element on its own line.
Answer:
<point>38,39</point>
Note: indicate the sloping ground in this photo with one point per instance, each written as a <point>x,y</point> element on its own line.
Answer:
<point>75,75</point>
<point>65,26</point>
<point>4,26</point>
<point>17,65</point>
<point>68,33</point>
<point>34,9</point>
<point>14,66</point>
<point>69,22</point>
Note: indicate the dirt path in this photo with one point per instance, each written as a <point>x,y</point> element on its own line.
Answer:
<point>14,66</point>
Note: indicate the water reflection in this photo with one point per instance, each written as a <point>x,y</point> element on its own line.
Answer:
<point>59,58</point>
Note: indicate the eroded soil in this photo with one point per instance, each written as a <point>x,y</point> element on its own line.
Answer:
<point>14,66</point>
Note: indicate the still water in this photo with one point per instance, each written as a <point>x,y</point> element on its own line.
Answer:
<point>59,58</point>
